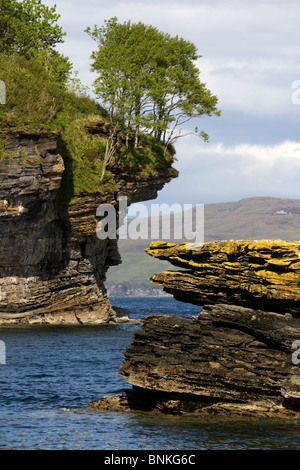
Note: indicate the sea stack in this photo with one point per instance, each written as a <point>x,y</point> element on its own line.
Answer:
<point>240,354</point>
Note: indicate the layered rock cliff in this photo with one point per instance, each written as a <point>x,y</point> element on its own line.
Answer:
<point>52,264</point>
<point>227,360</point>
<point>238,355</point>
<point>262,274</point>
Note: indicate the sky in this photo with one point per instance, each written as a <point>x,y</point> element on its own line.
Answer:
<point>250,60</point>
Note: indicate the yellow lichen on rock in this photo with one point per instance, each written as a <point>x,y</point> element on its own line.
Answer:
<point>243,271</point>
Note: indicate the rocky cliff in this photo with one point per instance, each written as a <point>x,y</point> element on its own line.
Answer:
<point>238,355</point>
<point>52,264</point>
<point>262,274</point>
<point>227,360</point>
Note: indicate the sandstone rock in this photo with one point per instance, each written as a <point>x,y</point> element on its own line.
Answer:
<point>238,355</point>
<point>261,274</point>
<point>229,359</point>
<point>110,403</point>
<point>52,265</point>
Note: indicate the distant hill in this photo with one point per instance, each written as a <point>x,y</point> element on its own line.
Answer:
<point>257,217</point>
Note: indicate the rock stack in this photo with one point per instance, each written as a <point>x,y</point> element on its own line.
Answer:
<point>261,274</point>
<point>240,354</point>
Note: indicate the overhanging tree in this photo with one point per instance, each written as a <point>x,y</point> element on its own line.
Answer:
<point>149,83</point>
<point>124,62</point>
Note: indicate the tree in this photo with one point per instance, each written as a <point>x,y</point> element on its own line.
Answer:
<point>30,29</point>
<point>149,82</point>
<point>124,62</point>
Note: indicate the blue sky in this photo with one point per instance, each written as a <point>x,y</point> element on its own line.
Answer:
<point>250,59</point>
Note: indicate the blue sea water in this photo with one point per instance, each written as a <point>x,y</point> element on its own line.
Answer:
<point>51,373</point>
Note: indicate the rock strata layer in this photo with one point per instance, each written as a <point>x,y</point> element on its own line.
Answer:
<point>229,359</point>
<point>261,274</point>
<point>52,264</point>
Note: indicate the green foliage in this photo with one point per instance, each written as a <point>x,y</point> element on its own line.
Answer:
<point>42,95</point>
<point>83,157</point>
<point>28,27</point>
<point>148,80</point>
<point>34,73</point>
<point>36,102</point>
<point>33,98</point>
<point>148,157</point>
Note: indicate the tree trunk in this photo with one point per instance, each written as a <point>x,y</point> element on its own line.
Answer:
<point>112,145</point>
<point>137,118</point>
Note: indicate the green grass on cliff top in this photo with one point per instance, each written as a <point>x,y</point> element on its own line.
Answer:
<point>36,102</point>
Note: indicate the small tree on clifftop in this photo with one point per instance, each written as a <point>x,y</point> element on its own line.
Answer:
<point>148,81</point>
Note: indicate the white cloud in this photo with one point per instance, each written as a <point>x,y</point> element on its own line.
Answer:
<point>250,49</point>
<point>259,153</point>
<point>214,173</point>
<point>259,86</point>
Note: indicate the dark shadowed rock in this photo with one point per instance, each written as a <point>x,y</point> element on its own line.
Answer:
<point>229,359</point>
<point>238,355</point>
<point>52,264</point>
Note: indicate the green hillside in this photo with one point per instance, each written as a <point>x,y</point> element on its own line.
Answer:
<point>136,268</point>
<point>258,217</point>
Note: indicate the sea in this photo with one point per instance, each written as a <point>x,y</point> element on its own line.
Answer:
<point>49,374</point>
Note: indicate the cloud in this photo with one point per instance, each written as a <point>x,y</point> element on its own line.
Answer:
<point>257,87</point>
<point>250,49</point>
<point>258,153</point>
<point>219,172</point>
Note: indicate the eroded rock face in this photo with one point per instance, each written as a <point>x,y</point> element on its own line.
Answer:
<point>52,265</point>
<point>238,355</point>
<point>262,274</point>
<point>228,359</point>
